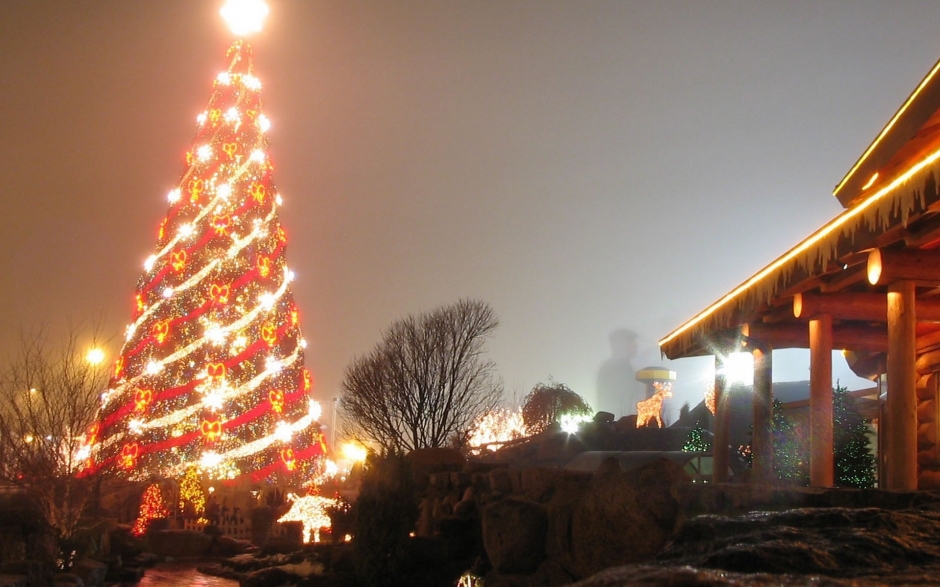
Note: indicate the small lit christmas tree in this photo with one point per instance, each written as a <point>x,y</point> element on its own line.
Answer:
<point>791,451</point>
<point>211,372</point>
<point>697,441</point>
<point>854,462</point>
<point>151,508</point>
<point>192,498</point>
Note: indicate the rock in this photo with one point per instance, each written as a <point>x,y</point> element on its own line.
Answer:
<point>551,573</point>
<point>92,572</point>
<point>626,517</point>
<point>179,543</point>
<point>810,541</point>
<point>270,577</point>
<point>67,580</point>
<point>559,448</point>
<point>501,481</point>
<point>514,532</point>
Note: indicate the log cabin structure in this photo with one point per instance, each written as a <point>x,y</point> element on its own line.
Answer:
<point>868,283</point>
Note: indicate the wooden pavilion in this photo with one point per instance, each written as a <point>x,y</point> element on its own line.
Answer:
<point>867,282</point>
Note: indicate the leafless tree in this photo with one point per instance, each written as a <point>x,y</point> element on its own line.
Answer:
<point>426,382</point>
<point>48,401</point>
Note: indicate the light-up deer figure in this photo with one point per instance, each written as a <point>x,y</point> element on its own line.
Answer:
<point>652,408</point>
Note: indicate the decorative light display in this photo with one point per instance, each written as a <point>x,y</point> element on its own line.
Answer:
<point>151,508</point>
<point>496,428</point>
<point>711,401</point>
<point>191,493</point>
<point>311,510</point>
<point>211,372</point>
<point>696,441</point>
<point>652,408</point>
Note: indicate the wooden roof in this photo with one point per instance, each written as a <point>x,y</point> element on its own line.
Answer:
<point>893,202</point>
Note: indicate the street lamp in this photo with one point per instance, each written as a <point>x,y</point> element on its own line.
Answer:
<point>333,425</point>
<point>95,356</point>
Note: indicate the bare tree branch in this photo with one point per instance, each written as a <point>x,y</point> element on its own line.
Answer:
<point>426,382</point>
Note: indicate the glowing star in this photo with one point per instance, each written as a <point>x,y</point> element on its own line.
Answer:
<point>264,124</point>
<point>231,115</point>
<point>204,153</point>
<point>153,368</point>
<point>210,460</point>
<point>267,300</point>
<point>224,191</point>
<point>148,264</point>
<point>201,119</point>
<point>652,408</point>
<point>215,334</point>
<point>135,426</point>
<point>244,17</point>
<point>273,365</point>
<point>173,196</point>
<point>225,79</point>
<point>569,423</point>
<point>214,400</point>
<point>314,409</point>
<point>186,230</point>
<point>257,156</point>
<point>168,293</point>
<point>283,431</point>
<point>251,82</point>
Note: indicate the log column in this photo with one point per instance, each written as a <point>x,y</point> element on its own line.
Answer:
<point>722,425</point>
<point>901,408</point>
<point>762,444</point>
<point>821,470</point>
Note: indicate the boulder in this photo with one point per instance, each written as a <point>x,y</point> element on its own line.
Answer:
<point>270,577</point>
<point>514,532</point>
<point>179,543</point>
<point>626,517</point>
<point>92,572</point>
<point>500,481</point>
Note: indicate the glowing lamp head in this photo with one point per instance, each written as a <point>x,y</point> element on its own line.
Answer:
<point>245,17</point>
<point>95,356</point>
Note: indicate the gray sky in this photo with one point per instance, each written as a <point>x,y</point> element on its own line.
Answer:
<point>584,166</point>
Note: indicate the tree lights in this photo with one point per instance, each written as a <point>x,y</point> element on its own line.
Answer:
<point>211,373</point>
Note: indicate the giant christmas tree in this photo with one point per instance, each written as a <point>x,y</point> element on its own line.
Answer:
<point>211,372</point>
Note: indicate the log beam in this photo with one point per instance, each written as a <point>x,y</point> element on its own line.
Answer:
<point>821,465</point>
<point>763,463</point>
<point>789,336</point>
<point>722,430</point>
<point>887,266</point>
<point>871,307</point>
<point>901,408</point>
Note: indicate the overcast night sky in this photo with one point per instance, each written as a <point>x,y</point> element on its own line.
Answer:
<point>583,166</point>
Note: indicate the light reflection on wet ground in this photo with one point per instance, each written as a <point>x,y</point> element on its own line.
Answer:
<point>180,574</point>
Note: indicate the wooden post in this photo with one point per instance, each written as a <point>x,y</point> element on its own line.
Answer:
<point>722,425</point>
<point>821,470</point>
<point>762,444</point>
<point>901,425</point>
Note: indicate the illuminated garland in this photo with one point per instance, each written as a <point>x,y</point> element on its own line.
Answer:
<point>211,373</point>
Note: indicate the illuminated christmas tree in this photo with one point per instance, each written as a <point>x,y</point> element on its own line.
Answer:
<point>211,372</point>
<point>151,508</point>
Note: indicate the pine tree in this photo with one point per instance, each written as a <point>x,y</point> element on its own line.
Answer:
<point>697,441</point>
<point>211,372</point>
<point>854,462</point>
<point>791,452</point>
